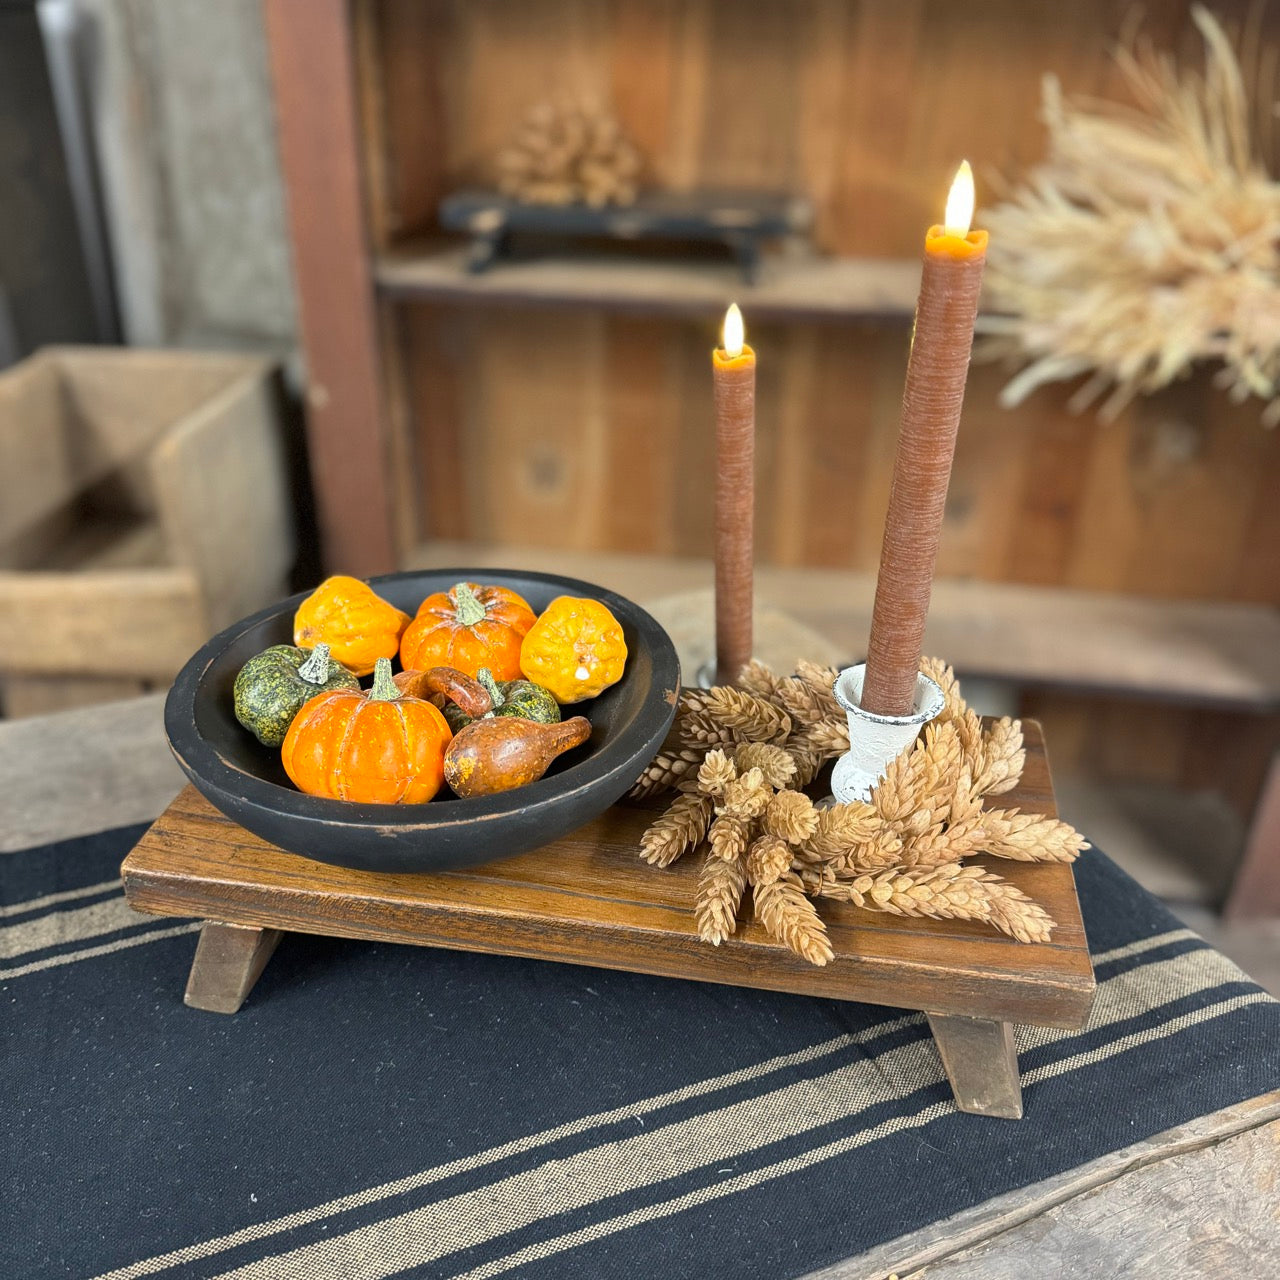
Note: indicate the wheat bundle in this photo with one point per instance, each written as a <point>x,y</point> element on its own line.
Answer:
<point>1146,243</point>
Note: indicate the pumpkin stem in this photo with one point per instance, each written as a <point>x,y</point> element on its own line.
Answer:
<point>384,687</point>
<point>316,668</point>
<point>467,606</point>
<point>485,676</point>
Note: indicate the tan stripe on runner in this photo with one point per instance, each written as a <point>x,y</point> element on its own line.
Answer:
<point>756,1177</point>
<point>413,1182</point>
<point>59,927</point>
<point>429,1232</point>
<point>89,953</point>
<point>51,899</point>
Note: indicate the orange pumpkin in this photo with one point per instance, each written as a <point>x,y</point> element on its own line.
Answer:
<point>468,627</point>
<point>380,747</point>
<point>357,624</point>
<point>576,649</point>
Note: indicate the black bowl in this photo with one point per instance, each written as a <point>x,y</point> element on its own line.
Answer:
<point>247,781</point>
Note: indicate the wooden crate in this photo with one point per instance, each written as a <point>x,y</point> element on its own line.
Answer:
<point>144,505</point>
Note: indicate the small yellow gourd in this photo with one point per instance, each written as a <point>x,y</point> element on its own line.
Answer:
<point>575,649</point>
<point>357,624</point>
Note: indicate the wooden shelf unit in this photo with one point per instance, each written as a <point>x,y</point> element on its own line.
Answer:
<point>567,404</point>
<point>806,288</point>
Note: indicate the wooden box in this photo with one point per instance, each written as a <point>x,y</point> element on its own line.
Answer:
<point>144,505</point>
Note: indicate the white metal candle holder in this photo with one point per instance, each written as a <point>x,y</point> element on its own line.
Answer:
<point>875,740</point>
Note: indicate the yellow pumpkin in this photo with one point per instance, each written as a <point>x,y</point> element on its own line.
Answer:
<point>357,624</point>
<point>575,649</point>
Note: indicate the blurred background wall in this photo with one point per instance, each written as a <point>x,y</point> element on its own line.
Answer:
<point>140,191</point>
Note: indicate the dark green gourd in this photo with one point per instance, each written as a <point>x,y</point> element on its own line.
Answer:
<point>273,686</point>
<point>521,698</point>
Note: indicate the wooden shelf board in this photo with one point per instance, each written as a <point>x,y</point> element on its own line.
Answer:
<point>806,287</point>
<point>1202,653</point>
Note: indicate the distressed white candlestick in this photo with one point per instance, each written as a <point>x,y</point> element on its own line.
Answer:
<point>875,740</point>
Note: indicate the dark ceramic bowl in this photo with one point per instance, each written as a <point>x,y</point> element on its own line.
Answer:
<point>247,782</point>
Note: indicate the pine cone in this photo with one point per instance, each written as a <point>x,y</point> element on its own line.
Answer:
<point>565,152</point>
<point>768,859</point>
<point>745,797</point>
<point>728,837</point>
<point>716,772</point>
<point>775,765</point>
<point>791,816</point>
<point>808,762</point>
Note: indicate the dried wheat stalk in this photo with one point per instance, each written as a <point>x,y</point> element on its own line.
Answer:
<point>740,757</point>
<point>792,919</point>
<point>1147,240</point>
<point>681,828</point>
<point>720,887</point>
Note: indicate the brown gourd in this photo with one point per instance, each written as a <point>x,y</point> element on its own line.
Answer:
<point>498,754</point>
<point>446,687</point>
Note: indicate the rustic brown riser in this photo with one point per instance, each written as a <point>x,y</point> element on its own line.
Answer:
<point>587,899</point>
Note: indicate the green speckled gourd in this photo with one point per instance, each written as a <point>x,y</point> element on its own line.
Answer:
<point>273,686</point>
<point>520,698</point>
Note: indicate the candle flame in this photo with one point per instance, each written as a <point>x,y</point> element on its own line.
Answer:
<point>960,202</point>
<point>734,334</point>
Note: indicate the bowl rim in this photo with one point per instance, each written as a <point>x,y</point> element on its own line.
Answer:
<point>205,765</point>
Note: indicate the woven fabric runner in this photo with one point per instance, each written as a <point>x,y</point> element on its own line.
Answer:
<point>379,1110</point>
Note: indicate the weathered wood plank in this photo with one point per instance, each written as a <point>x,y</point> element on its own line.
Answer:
<point>1200,653</point>
<point>1169,1171</point>
<point>82,771</point>
<point>1159,1223</point>
<point>229,960</point>
<point>588,899</point>
<point>313,76</point>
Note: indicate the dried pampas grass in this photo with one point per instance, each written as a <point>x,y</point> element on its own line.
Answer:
<point>1147,242</point>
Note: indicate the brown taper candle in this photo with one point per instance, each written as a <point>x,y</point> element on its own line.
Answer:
<point>734,371</point>
<point>936,372</point>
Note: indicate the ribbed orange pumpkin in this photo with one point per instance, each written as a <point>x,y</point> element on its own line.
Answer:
<point>357,624</point>
<point>380,747</point>
<point>468,627</point>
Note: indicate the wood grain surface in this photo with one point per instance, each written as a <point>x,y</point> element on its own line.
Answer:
<point>313,60</point>
<point>1181,1196</point>
<point>588,899</point>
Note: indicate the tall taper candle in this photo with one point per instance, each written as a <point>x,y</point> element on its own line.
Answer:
<point>936,370</point>
<point>734,371</point>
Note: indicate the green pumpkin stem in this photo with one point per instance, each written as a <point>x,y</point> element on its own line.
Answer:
<point>316,668</point>
<point>466,605</point>
<point>485,676</point>
<point>384,687</point>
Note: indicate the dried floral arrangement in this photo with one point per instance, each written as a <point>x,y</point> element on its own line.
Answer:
<point>739,757</point>
<point>567,151</point>
<point>1146,242</point>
